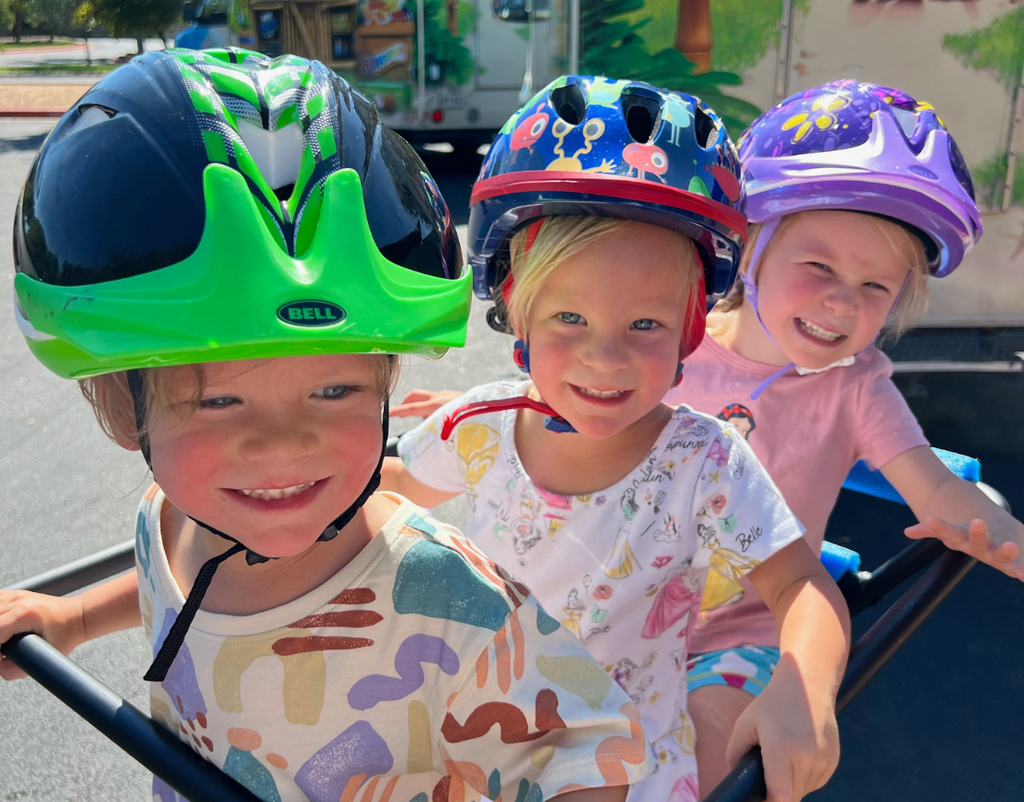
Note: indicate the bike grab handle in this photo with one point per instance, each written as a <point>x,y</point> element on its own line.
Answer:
<point>745,783</point>
<point>151,744</point>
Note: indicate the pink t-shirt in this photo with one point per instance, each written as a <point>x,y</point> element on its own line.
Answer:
<point>808,431</point>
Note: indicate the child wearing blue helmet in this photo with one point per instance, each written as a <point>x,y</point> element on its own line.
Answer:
<point>606,216</point>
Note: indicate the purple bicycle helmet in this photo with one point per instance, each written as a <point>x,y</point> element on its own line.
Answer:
<point>866,148</point>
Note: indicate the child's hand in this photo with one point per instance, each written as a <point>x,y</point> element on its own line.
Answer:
<point>974,539</point>
<point>799,740</point>
<point>59,620</point>
<point>422,403</point>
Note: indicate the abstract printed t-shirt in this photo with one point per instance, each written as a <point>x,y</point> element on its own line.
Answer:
<point>625,568</point>
<point>419,672</point>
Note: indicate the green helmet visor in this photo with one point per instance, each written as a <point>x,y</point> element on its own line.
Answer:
<point>240,296</point>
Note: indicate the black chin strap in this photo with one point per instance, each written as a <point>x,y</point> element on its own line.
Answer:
<point>176,636</point>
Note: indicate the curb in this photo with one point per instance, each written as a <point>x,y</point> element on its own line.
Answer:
<point>45,49</point>
<point>32,112</point>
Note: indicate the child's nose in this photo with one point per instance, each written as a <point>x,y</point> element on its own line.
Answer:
<point>280,438</point>
<point>605,353</point>
<point>841,300</point>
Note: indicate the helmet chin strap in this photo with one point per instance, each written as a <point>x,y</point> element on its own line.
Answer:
<point>749,279</point>
<point>176,636</point>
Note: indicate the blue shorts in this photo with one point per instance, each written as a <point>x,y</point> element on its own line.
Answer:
<point>746,667</point>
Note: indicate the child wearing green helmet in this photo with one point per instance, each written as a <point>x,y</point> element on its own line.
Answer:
<point>313,638</point>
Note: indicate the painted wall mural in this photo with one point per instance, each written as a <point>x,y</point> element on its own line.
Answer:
<point>965,57</point>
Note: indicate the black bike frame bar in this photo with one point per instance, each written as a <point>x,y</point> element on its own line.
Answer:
<point>74,575</point>
<point>745,783</point>
<point>151,744</point>
<point>893,572</point>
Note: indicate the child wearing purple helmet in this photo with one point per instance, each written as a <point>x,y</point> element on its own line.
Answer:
<point>857,193</point>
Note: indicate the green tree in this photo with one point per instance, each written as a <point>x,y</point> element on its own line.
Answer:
<point>6,16</point>
<point>52,17</point>
<point>611,45</point>
<point>18,9</point>
<point>137,18</point>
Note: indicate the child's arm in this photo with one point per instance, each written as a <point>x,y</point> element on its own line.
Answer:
<point>956,511</point>
<point>394,476</point>
<point>66,622</point>
<point>614,793</point>
<point>794,719</point>
<point>422,403</point>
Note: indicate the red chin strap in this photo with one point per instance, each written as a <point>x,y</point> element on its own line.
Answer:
<point>555,422</point>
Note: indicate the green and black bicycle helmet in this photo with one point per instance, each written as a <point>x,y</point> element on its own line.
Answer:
<point>192,204</point>
<point>218,205</point>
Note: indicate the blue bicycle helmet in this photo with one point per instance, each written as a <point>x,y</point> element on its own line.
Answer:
<point>593,146</point>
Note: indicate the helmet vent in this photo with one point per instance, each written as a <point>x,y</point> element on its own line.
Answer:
<point>642,114</point>
<point>906,119</point>
<point>569,104</point>
<point>88,116</point>
<point>277,154</point>
<point>703,126</point>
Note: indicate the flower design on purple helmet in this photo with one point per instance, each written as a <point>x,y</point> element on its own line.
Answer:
<point>821,115</point>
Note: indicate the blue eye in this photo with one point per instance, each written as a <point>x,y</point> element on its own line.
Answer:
<point>875,286</point>
<point>333,391</point>
<point>570,317</point>
<point>219,402</point>
<point>644,324</point>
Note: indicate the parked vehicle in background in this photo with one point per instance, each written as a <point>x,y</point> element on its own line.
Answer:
<point>216,23</point>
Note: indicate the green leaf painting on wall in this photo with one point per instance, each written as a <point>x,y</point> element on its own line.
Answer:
<point>448,60</point>
<point>637,39</point>
<point>999,50</point>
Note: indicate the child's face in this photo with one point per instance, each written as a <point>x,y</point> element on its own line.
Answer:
<point>606,327</point>
<point>277,449</point>
<point>826,286</point>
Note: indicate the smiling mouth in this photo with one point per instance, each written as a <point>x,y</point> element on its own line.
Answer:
<point>277,494</point>
<point>600,393</point>
<point>817,332</point>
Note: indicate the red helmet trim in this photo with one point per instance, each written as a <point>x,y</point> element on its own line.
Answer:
<point>608,186</point>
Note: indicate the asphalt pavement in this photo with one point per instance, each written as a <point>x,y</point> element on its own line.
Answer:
<point>943,721</point>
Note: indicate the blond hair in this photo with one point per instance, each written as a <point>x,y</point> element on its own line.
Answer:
<point>558,240</point>
<point>112,402</point>
<point>912,300</point>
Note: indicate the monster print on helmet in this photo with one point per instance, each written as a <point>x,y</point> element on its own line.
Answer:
<point>593,146</point>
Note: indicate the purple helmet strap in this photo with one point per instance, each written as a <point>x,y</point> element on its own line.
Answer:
<point>764,385</point>
<point>749,279</point>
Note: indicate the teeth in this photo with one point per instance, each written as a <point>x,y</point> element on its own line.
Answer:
<point>278,493</point>
<point>601,393</point>
<point>819,332</point>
